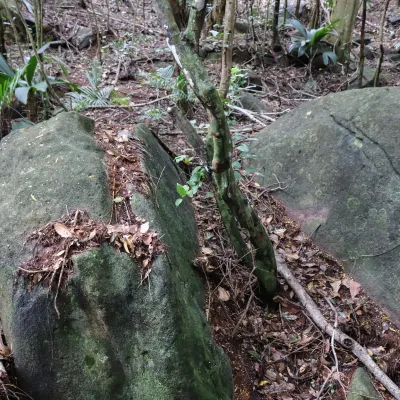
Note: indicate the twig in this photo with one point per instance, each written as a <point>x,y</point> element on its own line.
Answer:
<point>340,337</point>
<point>336,367</point>
<point>247,113</point>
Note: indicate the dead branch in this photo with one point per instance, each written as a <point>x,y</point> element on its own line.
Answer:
<point>346,341</point>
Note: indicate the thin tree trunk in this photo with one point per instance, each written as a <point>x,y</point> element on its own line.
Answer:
<point>297,9</point>
<point>196,21</point>
<point>381,33</point>
<point>362,45</point>
<point>216,16</point>
<point>227,45</point>
<point>275,36</point>
<point>15,31</point>
<point>3,51</point>
<point>219,154</point>
<point>315,15</point>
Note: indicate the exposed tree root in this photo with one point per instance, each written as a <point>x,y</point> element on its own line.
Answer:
<point>346,341</point>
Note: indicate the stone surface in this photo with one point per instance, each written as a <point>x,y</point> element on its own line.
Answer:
<point>250,102</point>
<point>84,37</point>
<point>116,339</point>
<point>361,387</point>
<point>340,156</point>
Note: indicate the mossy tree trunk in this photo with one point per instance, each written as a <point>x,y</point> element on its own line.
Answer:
<point>227,47</point>
<point>346,12</point>
<point>196,22</point>
<point>219,155</point>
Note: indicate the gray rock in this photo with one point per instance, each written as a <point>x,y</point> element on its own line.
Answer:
<point>341,156</point>
<point>368,78</point>
<point>394,20</point>
<point>394,57</point>
<point>252,103</point>
<point>84,38</point>
<point>361,386</point>
<point>116,339</point>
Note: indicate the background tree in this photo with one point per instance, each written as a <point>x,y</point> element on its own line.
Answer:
<point>234,208</point>
<point>345,11</point>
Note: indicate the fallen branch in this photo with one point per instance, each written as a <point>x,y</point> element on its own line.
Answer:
<point>346,341</point>
<point>247,113</point>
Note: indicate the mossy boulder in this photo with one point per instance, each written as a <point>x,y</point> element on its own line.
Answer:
<point>340,157</point>
<point>361,386</point>
<point>116,338</point>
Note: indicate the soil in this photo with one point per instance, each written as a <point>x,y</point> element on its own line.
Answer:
<point>276,353</point>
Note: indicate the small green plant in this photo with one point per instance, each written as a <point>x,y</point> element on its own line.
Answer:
<point>164,79</point>
<point>241,153</point>
<point>309,42</point>
<point>90,96</point>
<point>154,114</point>
<point>236,83</point>
<point>23,81</point>
<point>197,178</point>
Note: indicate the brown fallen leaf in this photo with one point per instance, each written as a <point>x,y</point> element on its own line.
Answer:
<point>62,230</point>
<point>207,250</point>
<point>353,286</point>
<point>223,294</point>
<point>336,286</point>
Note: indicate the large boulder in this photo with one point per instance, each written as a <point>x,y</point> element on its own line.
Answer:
<point>340,157</point>
<point>115,338</point>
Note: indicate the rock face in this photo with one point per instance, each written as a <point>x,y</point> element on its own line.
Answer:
<point>115,339</point>
<point>340,156</point>
<point>361,386</point>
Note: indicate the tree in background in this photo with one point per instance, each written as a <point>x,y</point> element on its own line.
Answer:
<point>345,11</point>
<point>236,212</point>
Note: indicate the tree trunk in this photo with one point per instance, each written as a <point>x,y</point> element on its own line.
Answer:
<point>196,21</point>
<point>216,16</point>
<point>226,65</point>
<point>275,36</point>
<point>362,45</point>
<point>346,12</point>
<point>315,15</point>
<point>219,154</point>
<point>3,51</point>
<point>179,12</point>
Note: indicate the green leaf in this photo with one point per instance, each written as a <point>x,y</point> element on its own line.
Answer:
<point>118,200</point>
<point>178,202</point>
<point>30,69</point>
<point>243,148</point>
<point>293,23</point>
<point>44,48</point>
<point>41,86</point>
<point>21,94</point>
<point>5,68</point>
<point>182,191</point>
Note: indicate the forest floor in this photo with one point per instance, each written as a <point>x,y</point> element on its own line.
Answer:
<point>275,354</point>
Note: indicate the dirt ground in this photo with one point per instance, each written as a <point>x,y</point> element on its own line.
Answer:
<point>275,353</point>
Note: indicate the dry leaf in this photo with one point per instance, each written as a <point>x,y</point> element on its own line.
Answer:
<point>292,257</point>
<point>147,239</point>
<point>207,250</point>
<point>353,286</point>
<point>223,294</point>
<point>336,286</point>
<point>62,230</point>
<point>144,227</point>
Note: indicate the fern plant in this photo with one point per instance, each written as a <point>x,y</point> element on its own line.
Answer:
<point>90,96</point>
